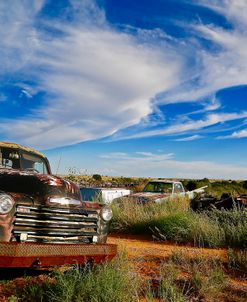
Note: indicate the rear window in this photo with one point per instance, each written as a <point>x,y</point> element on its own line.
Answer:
<point>9,158</point>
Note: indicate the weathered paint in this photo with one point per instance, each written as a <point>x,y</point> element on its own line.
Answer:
<point>38,186</point>
<point>14,254</point>
<point>32,191</point>
<point>20,147</point>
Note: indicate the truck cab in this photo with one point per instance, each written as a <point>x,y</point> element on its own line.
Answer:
<point>43,219</point>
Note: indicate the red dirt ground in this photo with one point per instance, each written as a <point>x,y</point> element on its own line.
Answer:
<point>146,256</point>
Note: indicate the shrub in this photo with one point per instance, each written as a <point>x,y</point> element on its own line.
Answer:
<point>97,177</point>
<point>191,185</point>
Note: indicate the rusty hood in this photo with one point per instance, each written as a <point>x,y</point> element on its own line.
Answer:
<point>148,196</point>
<point>38,186</point>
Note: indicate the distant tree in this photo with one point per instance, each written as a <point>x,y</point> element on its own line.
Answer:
<point>244,184</point>
<point>97,177</point>
<point>191,185</point>
<point>205,180</point>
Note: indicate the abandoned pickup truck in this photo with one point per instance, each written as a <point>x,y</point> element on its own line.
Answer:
<point>43,220</point>
<point>158,189</point>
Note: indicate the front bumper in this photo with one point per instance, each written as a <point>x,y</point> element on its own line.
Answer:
<point>13,254</point>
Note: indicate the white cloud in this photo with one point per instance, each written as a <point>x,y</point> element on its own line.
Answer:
<point>217,69</point>
<point>26,93</point>
<point>191,125</point>
<point>189,138</point>
<point>97,82</point>
<point>236,134</point>
<point>157,165</point>
<point>17,33</point>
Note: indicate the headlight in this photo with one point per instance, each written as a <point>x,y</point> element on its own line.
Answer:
<point>6,203</point>
<point>106,213</point>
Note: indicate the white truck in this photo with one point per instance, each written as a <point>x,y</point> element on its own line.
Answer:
<point>159,189</point>
<point>104,195</point>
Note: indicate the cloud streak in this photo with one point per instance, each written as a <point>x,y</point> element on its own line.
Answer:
<point>98,81</point>
<point>164,165</point>
<point>235,134</point>
<point>189,138</point>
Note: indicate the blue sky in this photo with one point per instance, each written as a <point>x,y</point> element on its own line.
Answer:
<point>134,88</point>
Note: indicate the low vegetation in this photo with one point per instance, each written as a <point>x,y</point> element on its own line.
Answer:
<point>173,220</point>
<point>214,187</point>
<point>110,282</point>
<point>180,278</point>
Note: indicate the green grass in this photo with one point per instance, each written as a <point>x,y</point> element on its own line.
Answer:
<point>205,280</point>
<point>237,259</point>
<point>109,282</point>
<point>172,220</point>
<point>206,277</point>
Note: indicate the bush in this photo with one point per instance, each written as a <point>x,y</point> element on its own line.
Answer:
<point>191,185</point>
<point>97,177</point>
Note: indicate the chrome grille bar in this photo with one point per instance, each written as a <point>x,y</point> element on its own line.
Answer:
<point>55,225</point>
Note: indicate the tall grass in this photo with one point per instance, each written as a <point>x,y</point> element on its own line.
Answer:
<point>110,282</point>
<point>173,220</point>
<point>118,282</point>
<point>205,280</point>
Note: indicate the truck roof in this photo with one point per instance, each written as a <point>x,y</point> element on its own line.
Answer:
<point>17,146</point>
<point>164,180</point>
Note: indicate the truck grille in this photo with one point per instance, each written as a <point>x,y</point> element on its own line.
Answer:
<point>55,225</point>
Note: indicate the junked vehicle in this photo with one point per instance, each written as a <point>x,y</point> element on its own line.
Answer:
<point>43,219</point>
<point>156,190</point>
<point>104,195</point>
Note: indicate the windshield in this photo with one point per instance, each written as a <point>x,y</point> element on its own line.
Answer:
<point>20,160</point>
<point>158,187</point>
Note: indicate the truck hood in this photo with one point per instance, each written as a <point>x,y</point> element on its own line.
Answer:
<point>38,186</point>
<point>147,196</point>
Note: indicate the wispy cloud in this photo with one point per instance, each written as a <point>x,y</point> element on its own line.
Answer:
<point>98,80</point>
<point>236,134</point>
<point>221,66</point>
<point>166,165</point>
<point>190,125</point>
<point>215,69</point>
<point>189,138</point>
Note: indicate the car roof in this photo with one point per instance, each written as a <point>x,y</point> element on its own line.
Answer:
<point>165,181</point>
<point>20,147</point>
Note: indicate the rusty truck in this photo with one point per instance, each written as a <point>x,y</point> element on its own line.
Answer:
<point>43,219</point>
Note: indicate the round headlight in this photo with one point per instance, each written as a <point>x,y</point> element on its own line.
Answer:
<point>6,203</point>
<point>106,213</point>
